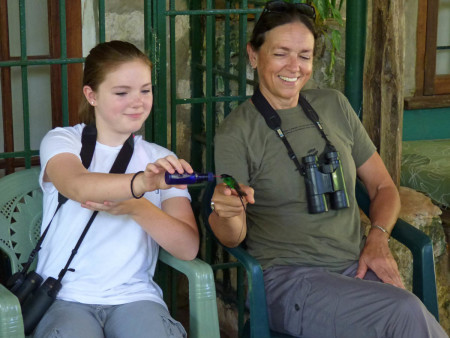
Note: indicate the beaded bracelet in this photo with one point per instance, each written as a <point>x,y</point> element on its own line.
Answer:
<point>131,185</point>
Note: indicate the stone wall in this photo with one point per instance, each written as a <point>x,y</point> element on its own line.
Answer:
<point>418,210</point>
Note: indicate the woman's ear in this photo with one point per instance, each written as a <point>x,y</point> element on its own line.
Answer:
<point>90,96</point>
<point>252,56</point>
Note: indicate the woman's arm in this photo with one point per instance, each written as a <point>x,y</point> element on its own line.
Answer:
<point>384,210</point>
<point>383,194</point>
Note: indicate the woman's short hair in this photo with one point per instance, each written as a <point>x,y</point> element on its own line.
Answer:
<point>277,13</point>
<point>103,59</point>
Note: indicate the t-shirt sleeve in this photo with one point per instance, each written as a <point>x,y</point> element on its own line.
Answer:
<point>174,192</point>
<point>58,141</point>
<point>363,147</point>
<point>231,149</point>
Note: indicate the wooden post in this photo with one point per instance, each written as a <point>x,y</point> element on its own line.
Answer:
<point>383,82</point>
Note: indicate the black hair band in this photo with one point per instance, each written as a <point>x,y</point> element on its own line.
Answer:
<point>131,185</point>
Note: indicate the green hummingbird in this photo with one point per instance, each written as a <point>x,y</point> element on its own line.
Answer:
<point>232,184</point>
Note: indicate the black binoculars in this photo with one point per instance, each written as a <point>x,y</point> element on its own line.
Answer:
<point>322,180</point>
<point>35,299</point>
<point>21,284</point>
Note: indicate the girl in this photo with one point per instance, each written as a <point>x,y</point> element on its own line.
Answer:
<point>109,290</point>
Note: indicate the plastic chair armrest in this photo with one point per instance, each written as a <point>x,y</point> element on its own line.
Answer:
<point>256,292</point>
<point>421,246</point>
<point>11,323</point>
<point>203,315</point>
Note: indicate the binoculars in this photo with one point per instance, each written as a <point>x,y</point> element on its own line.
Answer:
<point>35,299</point>
<point>21,285</point>
<point>324,180</point>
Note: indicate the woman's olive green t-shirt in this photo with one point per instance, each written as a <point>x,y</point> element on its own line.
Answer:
<point>280,229</point>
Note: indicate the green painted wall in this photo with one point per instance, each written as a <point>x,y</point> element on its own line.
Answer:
<point>426,124</point>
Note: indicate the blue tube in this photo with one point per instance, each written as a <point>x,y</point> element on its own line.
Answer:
<point>186,178</point>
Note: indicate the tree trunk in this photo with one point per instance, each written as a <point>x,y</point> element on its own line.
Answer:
<point>383,82</point>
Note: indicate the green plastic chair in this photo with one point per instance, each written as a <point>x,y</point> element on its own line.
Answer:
<point>20,221</point>
<point>424,280</point>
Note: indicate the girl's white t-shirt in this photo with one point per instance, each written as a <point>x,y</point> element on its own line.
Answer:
<point>116,261</point>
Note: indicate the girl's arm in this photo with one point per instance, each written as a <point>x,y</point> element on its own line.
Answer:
<point>75,182</point>
<point>173,227</point>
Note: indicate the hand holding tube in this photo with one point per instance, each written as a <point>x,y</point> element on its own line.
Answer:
<point>153,177</point>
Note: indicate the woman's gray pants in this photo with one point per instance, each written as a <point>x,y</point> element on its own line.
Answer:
<point>314,303</point>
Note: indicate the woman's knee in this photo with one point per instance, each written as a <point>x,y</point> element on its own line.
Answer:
<point>412,319</point>
<point>409,304</point>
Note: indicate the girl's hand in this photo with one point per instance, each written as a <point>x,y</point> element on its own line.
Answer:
<point>153,176</point>
<point>114,208</point>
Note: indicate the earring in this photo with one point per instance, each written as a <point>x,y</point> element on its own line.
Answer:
<point>92,102</point>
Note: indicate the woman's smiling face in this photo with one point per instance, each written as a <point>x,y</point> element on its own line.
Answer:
<point>284,63</point>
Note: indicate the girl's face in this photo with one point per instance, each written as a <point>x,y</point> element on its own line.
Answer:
<point>122,102</point>
<point>284,63</point>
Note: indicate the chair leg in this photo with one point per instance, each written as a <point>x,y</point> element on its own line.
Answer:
<point>204,319</point>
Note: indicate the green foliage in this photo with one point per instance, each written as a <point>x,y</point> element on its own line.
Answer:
<point>328,14</point>
<point>327,10</point>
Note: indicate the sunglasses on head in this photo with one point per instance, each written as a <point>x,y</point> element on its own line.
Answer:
<point>280,6</point>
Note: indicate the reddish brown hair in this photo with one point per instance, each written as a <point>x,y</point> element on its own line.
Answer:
<point>101,60</point>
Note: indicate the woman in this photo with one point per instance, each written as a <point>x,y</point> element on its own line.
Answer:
<point>109,291</point>
<point>319,270</point>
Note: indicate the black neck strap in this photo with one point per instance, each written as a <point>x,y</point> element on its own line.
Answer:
<point>88,142</point>
<point>273,120</point>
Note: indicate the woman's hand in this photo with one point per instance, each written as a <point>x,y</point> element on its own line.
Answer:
<point>227,202</point>
<point>377,256</point>
<point>228,220</point>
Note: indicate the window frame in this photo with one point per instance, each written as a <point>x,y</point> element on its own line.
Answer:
<point>74,73</point>
<point>432,91</point>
